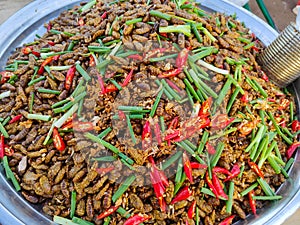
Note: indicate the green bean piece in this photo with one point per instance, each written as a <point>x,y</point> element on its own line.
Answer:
<point>48,91</point>
<point>185,29</point>
<point>289,164</point>
<point>87,6</point>
<point>38,117</point>
<point>81,221</point>
<point>229,202</point>
<point>157,100</point>
<point>278,129</point>
<point>160,14</point>
<point>105,159</point>
<point>170,160</point>
<point>107,220</point>
<point>83,73</point>
<point>202,142</point>
<point>250,188</point>
<point>266,198</point>
<point>217,155</point>
<point>124,186</point>
<point>232,99</point>
<point>179,184</point>
<point>190,150</point>
<point>265,187</point>
<point>10,175</point>
<point>191,89</point>
<point>131,132</point>
<point>133,21</point>
<point>73,204</point>
<point>162,58</point>
<point>196,33</point>
<point>123,212</point>
<point>274,164</point>
<point>260,89</point>
<point>257,138</point>
<point>223,93</point>
<point>207,191</point>
<point>63,221</point>
<point>7,119</point>
<point>179,171</point>
<point>208,34</point>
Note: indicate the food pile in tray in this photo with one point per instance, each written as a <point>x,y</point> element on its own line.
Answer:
<point>129,112</point>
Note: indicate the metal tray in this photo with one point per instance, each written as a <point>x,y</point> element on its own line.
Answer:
<point>22,27</point>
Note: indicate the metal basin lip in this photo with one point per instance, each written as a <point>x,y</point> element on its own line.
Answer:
<point>22,27</point>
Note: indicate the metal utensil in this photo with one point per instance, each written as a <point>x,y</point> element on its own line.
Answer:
<point>281,59</point>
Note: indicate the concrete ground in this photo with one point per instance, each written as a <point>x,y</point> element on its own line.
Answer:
<point>280,10</point>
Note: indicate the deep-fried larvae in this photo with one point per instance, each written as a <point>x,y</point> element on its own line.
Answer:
<point>89,207</point>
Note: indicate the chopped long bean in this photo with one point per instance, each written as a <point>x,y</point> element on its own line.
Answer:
<point>171,160</point>
<point>229,202</point>
<point>250,188</point>
<point>38,117</point>
<point>124,186</point>
<point>73,204</point>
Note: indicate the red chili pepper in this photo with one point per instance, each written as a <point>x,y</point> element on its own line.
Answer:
<point>137,219</point>
<point>221,170</point>
<point>255,48</point>
<point>280,121</point>
<point>217,184</point>
<point>67,126</point>
<point>15,119</point>
<point>211,185</point>
<point>110,88</point>
<point>146,136</point>
<point>235,171</point>
<point>292,149</point>
<point>246,127</point>
<point>27,50</point>
<point>295,125</point>
<point>170,73</point>
<point>284,103</point>
<point>136,57</point>
<point>191,210</point>
<point>221,121</point>
<point>83,126</point>
<point>81,22</point>
<point>252,202</point>
<point>187,167</point>
<point>49,26</point>
<point>172,135</point>
<point>174,123</point>
<point>153,53</point>
<point>157,133</point>
<point>5,75</point>
<point>205,108</point>
<point>52,43</point>
<point>108,212</point>
<point>164,35</point>
<point>58,142</point>
<point>104,15</point>
<point>70,77</point>
<point>121,115</point>
<point>56,57</point>
<point>103,171</point>
<point>8,150</point>
<point>227,221</point>
<point>255,169</point>
<point>173,85</point>
<point>182,58</point>
<point>210,149</point>
<point>264,76</point>
<point>163,178</point>
<point>183,194</point>
<point>127,78</point>
<point>45,63</point>
<point>196,165</point>
<point>191,126</point>
<point>101,84</point>
<point>2,151</point>
<point>245,97</point>
<point>158,187</point>
<point>92,61</point>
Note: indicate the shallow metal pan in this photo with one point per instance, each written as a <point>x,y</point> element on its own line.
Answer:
<point>22,27</point>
